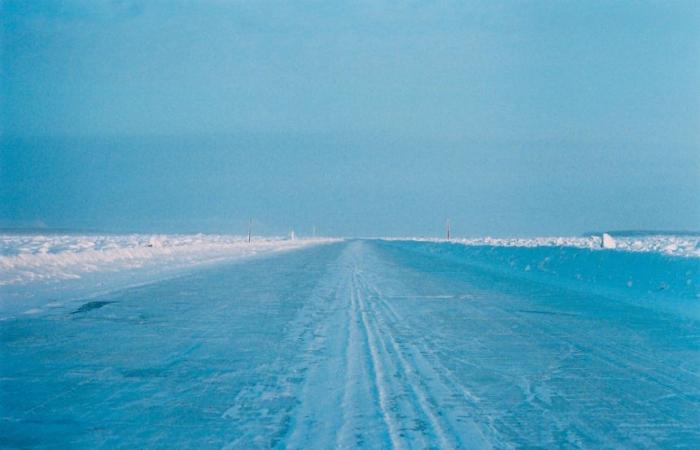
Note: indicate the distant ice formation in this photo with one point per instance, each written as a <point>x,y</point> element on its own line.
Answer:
<point>608,241</point>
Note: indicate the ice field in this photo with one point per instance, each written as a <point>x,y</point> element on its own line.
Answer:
<point>367,344</point>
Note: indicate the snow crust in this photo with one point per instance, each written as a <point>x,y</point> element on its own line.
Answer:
<point>31,258</point>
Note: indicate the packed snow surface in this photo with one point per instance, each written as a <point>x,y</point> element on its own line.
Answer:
<point>369,344</point>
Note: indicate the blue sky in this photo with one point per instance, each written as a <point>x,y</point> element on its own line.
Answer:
<point>362,118</point>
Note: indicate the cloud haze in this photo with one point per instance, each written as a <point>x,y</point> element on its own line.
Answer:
<point>366,118</point>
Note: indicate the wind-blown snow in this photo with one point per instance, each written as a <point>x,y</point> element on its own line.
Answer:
<point>27,258</point>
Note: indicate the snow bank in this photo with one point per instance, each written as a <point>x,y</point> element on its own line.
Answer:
<point>674,245</point>
<point>654,279</point>
<point>30,258</point>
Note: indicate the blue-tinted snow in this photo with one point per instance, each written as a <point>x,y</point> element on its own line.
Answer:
<point>372,344</point>
<point>39,271</point>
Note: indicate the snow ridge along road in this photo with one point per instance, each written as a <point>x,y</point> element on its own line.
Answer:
<point>359,344</point>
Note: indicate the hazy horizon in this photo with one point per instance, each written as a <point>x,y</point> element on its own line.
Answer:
<point>363,119</point>
<point>167,184</point>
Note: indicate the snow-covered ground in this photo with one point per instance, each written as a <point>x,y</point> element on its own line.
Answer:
<point>369,344</point>
<point>31,258</point>
<point>27,258</point>
<point>45,269</point>
<point>676,245</point>
<point>36,268</point>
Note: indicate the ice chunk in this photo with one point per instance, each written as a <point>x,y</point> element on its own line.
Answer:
<point>608,241</point>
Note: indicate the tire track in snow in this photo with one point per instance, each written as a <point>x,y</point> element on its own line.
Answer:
<point>443,387</point>
<point>384,403</point>
<point>364,384</point>
<point>424,406</point>
<point>421,388</point>
<point>379,368</point>
<point>359,387</point>
<point>341,403</point>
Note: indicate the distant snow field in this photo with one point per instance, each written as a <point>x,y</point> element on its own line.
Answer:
<point>31,258</point>
<point>674,245</point>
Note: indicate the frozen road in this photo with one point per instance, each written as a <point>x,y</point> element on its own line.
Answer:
<point>368,344</point>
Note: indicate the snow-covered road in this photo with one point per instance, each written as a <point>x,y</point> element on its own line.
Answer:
<point>370,344</point>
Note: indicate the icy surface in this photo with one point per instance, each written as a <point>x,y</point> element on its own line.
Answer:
<point>369,344</point>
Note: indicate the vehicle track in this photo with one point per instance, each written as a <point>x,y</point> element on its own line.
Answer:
<point>389,394</point>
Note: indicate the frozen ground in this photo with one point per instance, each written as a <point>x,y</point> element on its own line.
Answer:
<point>370,344</point>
